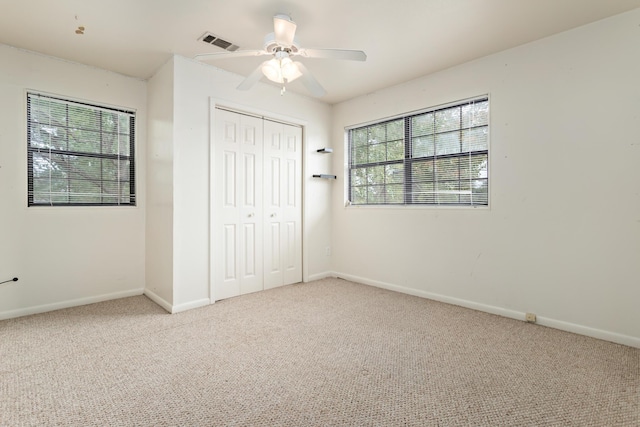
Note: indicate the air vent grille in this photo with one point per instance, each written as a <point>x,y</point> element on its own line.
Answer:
<point>210,38</point>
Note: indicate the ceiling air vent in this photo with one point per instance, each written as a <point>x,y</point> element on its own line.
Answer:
<point>210,38</point>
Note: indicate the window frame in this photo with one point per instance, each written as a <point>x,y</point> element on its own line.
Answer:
<point>130,115</point>
<point>408,159</point>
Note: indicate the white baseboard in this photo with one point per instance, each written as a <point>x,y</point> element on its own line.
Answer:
<point>158,300</point>
<point>175,308</point>
<point>67,304</point>
<point>190,305</point>
<point>319,276</point>
<point>500,311</point>
<point>589,332</point>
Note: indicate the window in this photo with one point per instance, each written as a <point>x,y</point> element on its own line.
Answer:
<point>79,154</point>
<point>436,157</point>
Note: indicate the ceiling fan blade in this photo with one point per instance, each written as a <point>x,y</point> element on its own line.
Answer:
<point>252,79</point>
<point>226,55</point>
<point>309,81</point>
<point>346,54</point>
<point>284,29</point>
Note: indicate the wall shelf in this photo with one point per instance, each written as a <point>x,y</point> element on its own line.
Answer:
<point>325,150</point>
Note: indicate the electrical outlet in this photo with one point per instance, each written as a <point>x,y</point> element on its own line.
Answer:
<point>327,251</point>
<point>530,318</point>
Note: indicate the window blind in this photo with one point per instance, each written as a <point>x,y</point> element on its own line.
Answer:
<point>79,154</point>
<point>435,157</point>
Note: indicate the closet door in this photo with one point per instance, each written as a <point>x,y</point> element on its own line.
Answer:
<point>282,204</point>
<point>238,246</point>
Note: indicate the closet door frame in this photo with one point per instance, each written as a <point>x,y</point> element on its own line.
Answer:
<point>215,104</point>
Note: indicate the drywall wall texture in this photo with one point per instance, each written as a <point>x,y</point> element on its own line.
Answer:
<point>159,197</point>
<point>195,87</point>
<point>64,256</point>
<point>561,237</point>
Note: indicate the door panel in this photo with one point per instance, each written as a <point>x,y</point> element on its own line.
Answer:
<point>251,280</point>
<point>291,191</point>
<point>237,247</point>
<point>284,194</point>
<point>250,211</point>
<point>290,259</point>
<point>274,184</point>
<point>229,179</point>
<point>273,205</point>
<point>249,233</point>
<point>275,248</point>
<point>292,209</point>
<point>227,248</point>
<point>250,180</point>
<point>229,253</point>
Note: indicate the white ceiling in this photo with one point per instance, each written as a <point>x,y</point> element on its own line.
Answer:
<point>403,39</point>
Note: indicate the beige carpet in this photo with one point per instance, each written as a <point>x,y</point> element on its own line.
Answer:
<point>325,353</point>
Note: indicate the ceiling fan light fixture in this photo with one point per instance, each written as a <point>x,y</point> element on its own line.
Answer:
<point>271,70</point>
<point>279,70</point>
<point>289,70</point>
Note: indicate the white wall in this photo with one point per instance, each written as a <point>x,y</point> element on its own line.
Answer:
<point>194,85</point>
<point>562,235</point>
<point>64,256</point>
<point>159,212</point>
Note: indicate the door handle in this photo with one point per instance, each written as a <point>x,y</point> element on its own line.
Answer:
<point>250,215</point>
<point>273,215</point>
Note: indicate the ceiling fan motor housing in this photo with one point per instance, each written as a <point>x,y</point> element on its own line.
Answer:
<point>271,46</point>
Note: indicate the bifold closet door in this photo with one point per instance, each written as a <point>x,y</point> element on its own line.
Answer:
<point>238,193</point>
<point>282,204</point>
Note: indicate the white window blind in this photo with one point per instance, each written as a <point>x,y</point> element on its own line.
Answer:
<point>79,154</point>
<point>436,157</point>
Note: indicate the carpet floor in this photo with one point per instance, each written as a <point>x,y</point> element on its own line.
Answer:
<point>325,353</point>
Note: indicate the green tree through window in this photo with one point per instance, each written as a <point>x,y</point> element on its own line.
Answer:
<point>437,157</point>
<point>79,154</point>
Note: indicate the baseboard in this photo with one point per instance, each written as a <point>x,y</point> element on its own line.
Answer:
<point>175,308</point>
<point>158,300</point>
<point>589,332</point>
<point>190,305</point>
<point>319,276</point>
<point>500,311</point>
<point>68,304</point>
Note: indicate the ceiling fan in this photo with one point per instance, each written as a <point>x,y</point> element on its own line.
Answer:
<point>281,68</point>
